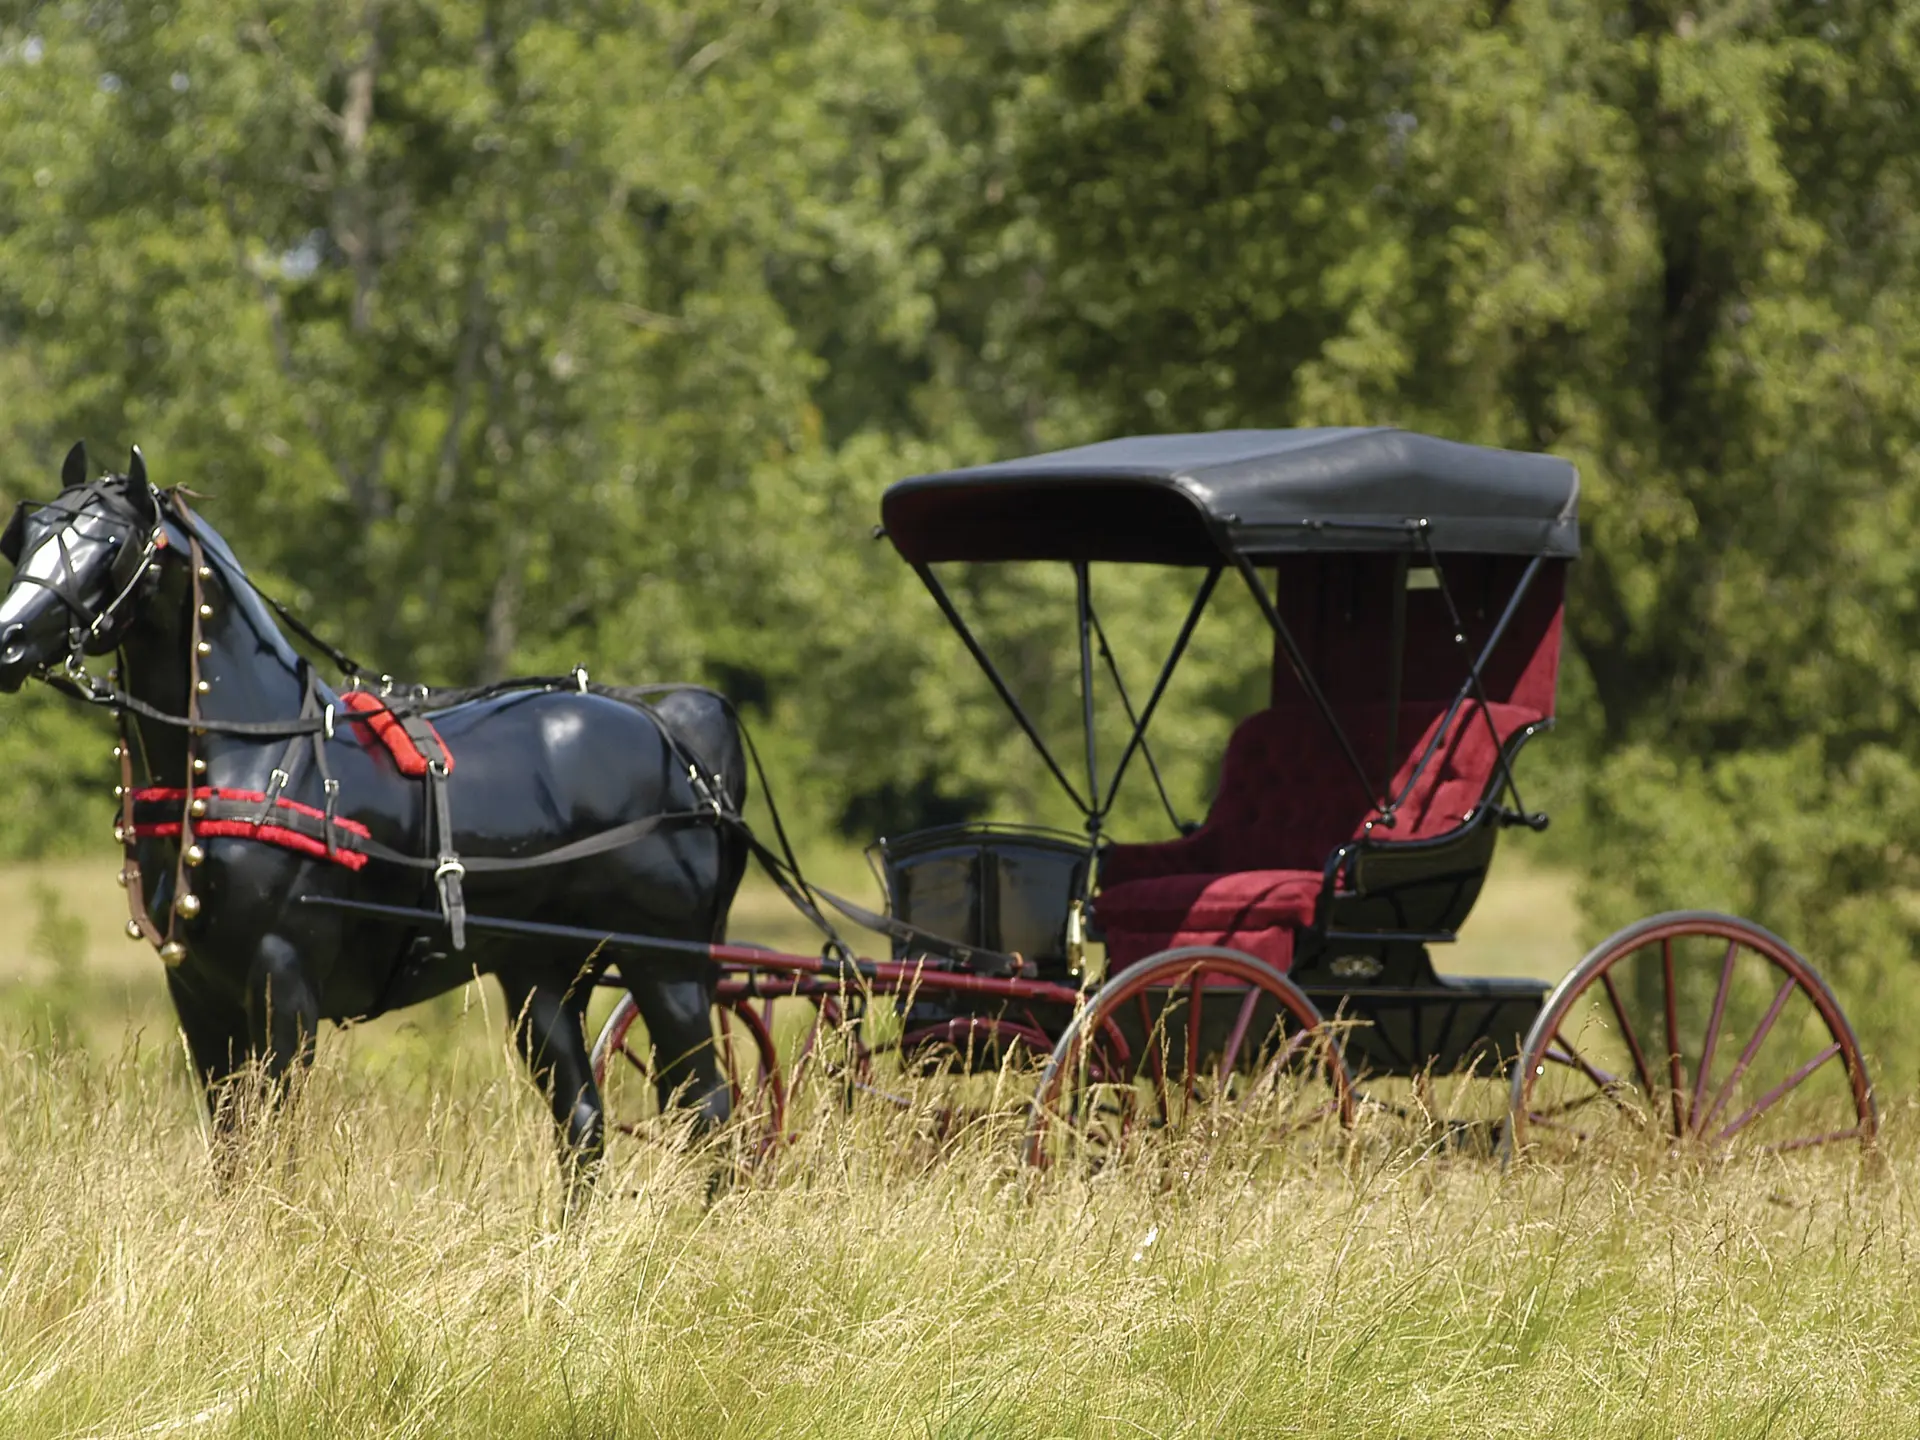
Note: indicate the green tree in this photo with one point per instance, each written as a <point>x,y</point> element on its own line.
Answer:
<point>1675,244</point>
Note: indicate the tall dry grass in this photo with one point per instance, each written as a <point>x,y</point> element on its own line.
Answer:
<point>390,1259</point>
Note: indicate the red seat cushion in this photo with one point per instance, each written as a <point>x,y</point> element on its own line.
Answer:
<point>1253,911</point>
<point>1244,900</point>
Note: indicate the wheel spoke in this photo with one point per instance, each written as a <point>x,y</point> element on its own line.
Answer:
<point>1270,1074</point>
<point>1626,1029</point>
<point>726,1061</point>
<point>1674,1073</point>
<point>1604,1084</point>
<point>1156,1050</point>
<point>1571,1056</point>
<point>1192,1065</point>
<point>1725,1092</point>
<point>1713,1033</point>
<point>1779,1091</point>
<point>1237,1037</point>
<point>1808,1142</point>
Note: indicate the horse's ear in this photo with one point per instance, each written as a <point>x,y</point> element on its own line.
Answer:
<point>139,491</point>
<point>73,473</point>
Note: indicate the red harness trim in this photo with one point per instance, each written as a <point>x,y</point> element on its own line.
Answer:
<point>393,734</point>
<point>246,829</point>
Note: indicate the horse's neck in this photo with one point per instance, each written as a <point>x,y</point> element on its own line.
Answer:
<point>250,675</point>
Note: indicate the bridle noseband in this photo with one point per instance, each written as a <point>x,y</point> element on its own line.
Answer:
<point>99,633</point>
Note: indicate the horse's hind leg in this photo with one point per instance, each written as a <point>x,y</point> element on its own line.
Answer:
<point>679,1016</point>
<point>549,1031</point>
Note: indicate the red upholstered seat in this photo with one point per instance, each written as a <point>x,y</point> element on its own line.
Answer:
<point>1252,875</point>
<point>1246,899</point>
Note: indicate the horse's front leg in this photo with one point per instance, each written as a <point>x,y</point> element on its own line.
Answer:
<point>218,1046</point>
<point>549,1029</point>
<point>235,1065</point>
<point>283,1012</point>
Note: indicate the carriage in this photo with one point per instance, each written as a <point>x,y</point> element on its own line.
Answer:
<point>298,854</point>
<point>1275,963</point>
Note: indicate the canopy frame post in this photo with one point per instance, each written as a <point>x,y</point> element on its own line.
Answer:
<point>1474,684</point>
<point>1083,617</point>
<point>992,671</point>
<point>1138,740</point>
<point>1396,668</point>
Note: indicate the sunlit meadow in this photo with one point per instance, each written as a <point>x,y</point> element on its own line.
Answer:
<point>392,1259</point>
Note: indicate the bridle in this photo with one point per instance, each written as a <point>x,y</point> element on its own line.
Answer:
<point>100,632</point>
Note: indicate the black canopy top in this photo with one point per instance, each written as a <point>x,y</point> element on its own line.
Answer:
<point>1196,499</point>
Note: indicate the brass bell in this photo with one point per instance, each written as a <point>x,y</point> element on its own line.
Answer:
<point>199,766</point>
<point>197,809</point>
<point>119,833</point>
<point>173,952</point>
<point>201,687</point>
<point>206,572</point>
<point>203,648</point>
<point>119,792</point>
<point>206,611</point>
<point>188,904</point>
<point>133,930</point>
<point>119,753</point>
<point>193,855</point>
<point>124,879</point>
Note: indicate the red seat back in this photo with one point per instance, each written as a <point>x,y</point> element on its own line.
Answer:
<point>1289,796</point>
<point>1459,774</point>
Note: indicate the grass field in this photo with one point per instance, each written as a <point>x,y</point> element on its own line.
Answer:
<point>390,1260</point>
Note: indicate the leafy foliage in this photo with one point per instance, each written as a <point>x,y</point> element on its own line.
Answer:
<point>500,341</point>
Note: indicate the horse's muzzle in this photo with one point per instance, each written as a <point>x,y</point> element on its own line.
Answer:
<point>16,661</point>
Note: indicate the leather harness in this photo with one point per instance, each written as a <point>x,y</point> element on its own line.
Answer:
<point>198,811</point>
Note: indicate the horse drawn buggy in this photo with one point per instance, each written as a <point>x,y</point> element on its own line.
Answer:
<point>1413,589</point>
<point>321,854</point>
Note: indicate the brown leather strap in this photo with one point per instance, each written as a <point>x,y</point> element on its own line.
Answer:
<point>172,952</point>
<point>129,853</point>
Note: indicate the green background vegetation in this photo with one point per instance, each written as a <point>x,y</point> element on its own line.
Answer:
<point>501,335</point>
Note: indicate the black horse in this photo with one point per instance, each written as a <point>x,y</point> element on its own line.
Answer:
<point>106,567</point>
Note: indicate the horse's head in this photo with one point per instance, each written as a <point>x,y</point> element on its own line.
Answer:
<point>80,561</point>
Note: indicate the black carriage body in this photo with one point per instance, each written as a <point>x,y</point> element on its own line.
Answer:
<point>1006,889</point>
<point>1002,888</point>
<point>1415,589</point>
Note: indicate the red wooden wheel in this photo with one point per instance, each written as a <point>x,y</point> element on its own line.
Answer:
<point>624,1067</point>
<point>1194,1040</point>
<point>1691,1031</point>
<point>969,1043</point>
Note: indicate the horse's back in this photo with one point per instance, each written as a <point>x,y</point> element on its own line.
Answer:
<point>701,721</point>
<point>541,761</point>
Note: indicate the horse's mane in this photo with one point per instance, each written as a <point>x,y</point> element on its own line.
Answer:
<point>244,597</point>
